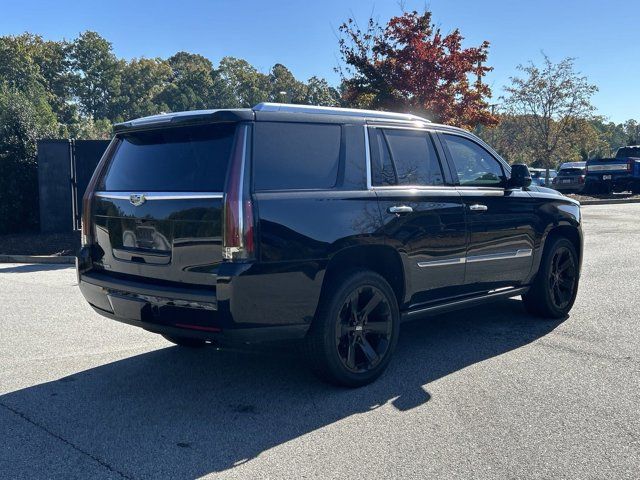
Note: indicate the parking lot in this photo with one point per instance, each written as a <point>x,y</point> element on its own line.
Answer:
<point>483,393</point>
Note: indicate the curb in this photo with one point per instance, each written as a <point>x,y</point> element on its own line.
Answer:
<point>51,259</point>
<point>612,201</point>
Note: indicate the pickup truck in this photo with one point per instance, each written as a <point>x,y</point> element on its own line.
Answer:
<point>618,174</point>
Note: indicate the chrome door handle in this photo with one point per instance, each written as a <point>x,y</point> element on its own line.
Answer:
<point>478,208</point>
<point>400,209</point>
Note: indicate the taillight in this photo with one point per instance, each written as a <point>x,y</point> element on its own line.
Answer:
<point>581,179</point>
<point>238,242</point>
<point>85,222</point>
<point>630,165</point>
<point>87,200</point>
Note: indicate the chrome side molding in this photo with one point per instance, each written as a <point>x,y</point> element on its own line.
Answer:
<point>160,195</point>
<point>440,263</point>
<point>520,253</point>
<point>524,252</point>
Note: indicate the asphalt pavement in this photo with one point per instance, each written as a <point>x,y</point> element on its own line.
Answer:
<point>484,393</point>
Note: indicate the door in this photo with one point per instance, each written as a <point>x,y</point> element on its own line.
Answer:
<point>157,210</point>
<point>500,221</point>
<point>423,215</point>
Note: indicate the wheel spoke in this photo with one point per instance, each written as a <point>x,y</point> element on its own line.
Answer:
<point>373,302</point>
<point>566,263</point>
<point>351,355</point>
<point>563,295</point>
<point>556,295</point>
<point>381,328</point>
<point>353,300</point>
<point>368,350</point>
<point>345,329</point>
<point>566,282</point>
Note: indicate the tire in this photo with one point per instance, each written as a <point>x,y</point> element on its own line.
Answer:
<point>185,341</point>
<point>555,287</point>
<point>355,331</point>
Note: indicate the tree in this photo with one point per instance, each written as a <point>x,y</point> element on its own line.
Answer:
<point>552,101</point>
<point>22,122</point>
<point>245,86</point>
<point>191,85</point>
<point>319,92</point>
<point>143,82</point>
<point>632,132</point>
<point>97,75</point>
<point>411,65</point>
<point>35,66</point>
<point>283,86</point>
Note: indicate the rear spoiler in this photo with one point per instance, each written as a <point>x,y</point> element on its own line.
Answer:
<point>185,118</point>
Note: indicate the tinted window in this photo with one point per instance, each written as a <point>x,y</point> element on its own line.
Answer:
<point>565,172</point>
<point>296,156</point>
<point>624,152</point>
<point>405,157</point>
<point>193,158</point>
<point>473,164</point>
<point>383,172</point>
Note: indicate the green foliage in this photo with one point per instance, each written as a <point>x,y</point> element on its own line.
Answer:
<point>79,88</point>
<point>22,122</point>
<point>552,104</point>
<point>97,75</point>
<point>584,139</point>
<point>143,82</point>
<point>191,83</point>
<point>245,86</point>
<point>319,92</point>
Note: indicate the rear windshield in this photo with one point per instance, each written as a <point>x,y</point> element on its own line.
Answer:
<point>183,159</point>
<point>628,152</point>
<point>565,172</point>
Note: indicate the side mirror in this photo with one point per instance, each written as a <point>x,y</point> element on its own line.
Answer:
<point>520,176</point>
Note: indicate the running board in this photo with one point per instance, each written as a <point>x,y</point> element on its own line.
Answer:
<point>463,303</point>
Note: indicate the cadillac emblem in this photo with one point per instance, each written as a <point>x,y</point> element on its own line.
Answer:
<point>137,199</point>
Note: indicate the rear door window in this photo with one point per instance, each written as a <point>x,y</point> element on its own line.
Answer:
<point>182,159</point>
<point>404,157</point>
<point>296,156</point>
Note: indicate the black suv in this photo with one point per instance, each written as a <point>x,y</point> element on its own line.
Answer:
<point>322,224</point>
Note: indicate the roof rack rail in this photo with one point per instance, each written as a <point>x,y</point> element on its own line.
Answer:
<point>291,108</point>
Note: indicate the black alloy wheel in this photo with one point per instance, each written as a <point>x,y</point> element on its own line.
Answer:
<point>364,329</point>
<point>555,287</point>
<point>562,278</point>
<point>355,330</point>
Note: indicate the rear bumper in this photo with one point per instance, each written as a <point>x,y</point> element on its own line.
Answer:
<point>619,181</point>
<point>229,336</point>
<point>184,312</point>
<point>574,186</point>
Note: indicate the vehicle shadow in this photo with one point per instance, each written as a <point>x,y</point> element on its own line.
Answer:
<point>34,267</point>
<point>185,413</point>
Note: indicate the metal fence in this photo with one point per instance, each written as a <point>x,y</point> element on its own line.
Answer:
<point>64,170</point>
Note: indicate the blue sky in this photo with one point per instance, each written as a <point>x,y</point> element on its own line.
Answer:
<point>603,36</point>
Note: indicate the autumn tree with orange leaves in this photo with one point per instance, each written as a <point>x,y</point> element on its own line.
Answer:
<point>410,65</point>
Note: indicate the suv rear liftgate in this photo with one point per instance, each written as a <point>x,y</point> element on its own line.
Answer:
<point>153,211</point>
